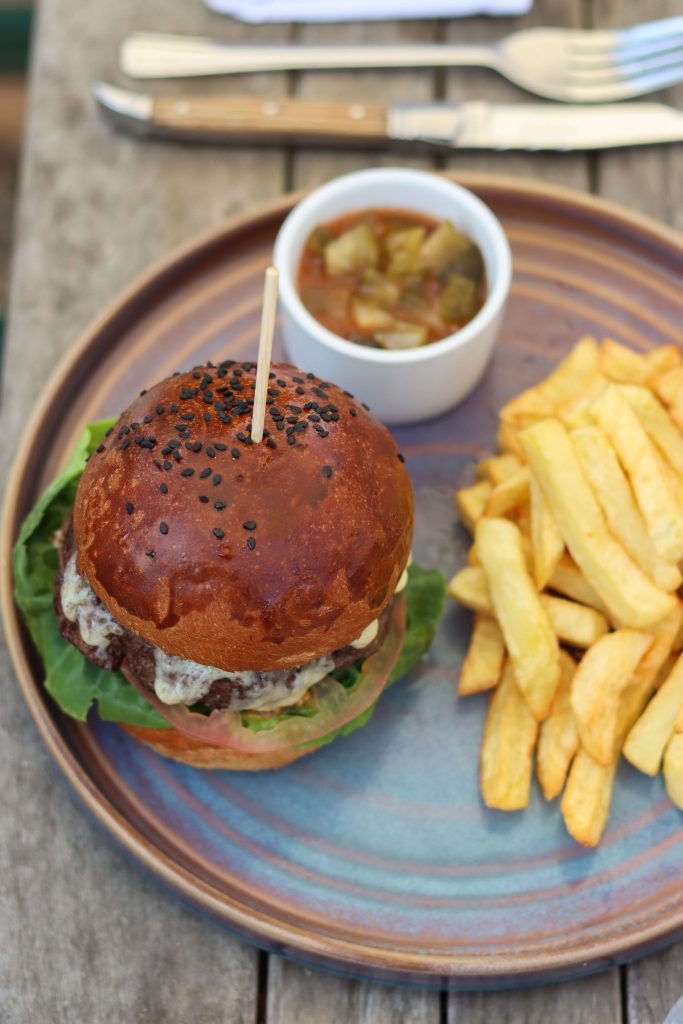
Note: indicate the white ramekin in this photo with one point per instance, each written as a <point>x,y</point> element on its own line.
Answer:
<point>418,383</point>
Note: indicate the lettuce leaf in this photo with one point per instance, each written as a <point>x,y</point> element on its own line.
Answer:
<point>76,684</point>
<point>72,681</point>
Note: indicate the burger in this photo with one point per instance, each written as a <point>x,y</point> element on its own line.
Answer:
<point>231,604</point>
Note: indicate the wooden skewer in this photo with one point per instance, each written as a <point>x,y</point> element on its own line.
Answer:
<point>265,348</point>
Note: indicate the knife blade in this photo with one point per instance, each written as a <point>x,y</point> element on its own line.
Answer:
<point>468,125</point>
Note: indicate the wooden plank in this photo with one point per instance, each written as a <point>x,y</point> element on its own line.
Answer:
<point>649,179</point>
<point>12,111</point>
<point>653,986</point>
<point>475,83</point>
<point>297,995</point>
<point>592,1000</point>
<point>83,937</point>
<point>312,168</point>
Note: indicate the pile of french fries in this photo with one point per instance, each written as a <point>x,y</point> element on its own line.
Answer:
<point>574,578</point>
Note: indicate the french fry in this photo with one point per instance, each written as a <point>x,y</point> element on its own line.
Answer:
<point>587,797</point>
<point>657,424</point>
<point>547,544</point>
<point>483,664</point>
<point>673,770</point>
<point>576,412</point>
<point>498,468</point>
<point>648,739</point>
<point>509,494</point>
<point>526,408</point>
<point>558,739</point>
<point>636,453</point>
<point>471,502</point>
<point>669,385</point>
<point>628,594</point>
<point>601,678</point>
<point>648,674</point>
<point>615,497</point>
<point>470,587</point>
<point>664,357</point>
<point>567,579</point>
<point>507,440</point>
<point>507,748</point>
<point>575,624</point>
<point>572,375</point>
<point>623,365</point>
<point>529,636</point>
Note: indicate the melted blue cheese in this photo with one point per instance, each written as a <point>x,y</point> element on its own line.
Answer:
<point>185,682</point>
<point>80,605</point>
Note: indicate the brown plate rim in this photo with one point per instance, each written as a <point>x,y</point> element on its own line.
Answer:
<point>349,957</point>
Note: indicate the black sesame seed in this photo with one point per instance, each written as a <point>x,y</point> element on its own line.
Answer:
<point>282,383</point>
<point>187,416</point>
<point>310,376</point>
<point>204,473</point>
<point>298,380</point>
<point>250,524</point>
<point>235,452</point>
<point>292,419</point>
<point>280,424</point>
<point>163,488</point>
<point>177,456</point>
<point>291,439</point>
<point>174,407</point>
<point>300,391</point>
<point>219,505</point>
<point>163,528</point>
<point>323,433</point>
<point>100,448</point>
<point>125,443</point>
<point>187,472</point>
<point>211,453</point>
<point>401,457</point>
<point>217,532</point>
<point>251,543</point>
<point>129,508</point>
<point>220,447</point>
<point>353,411</point>
<point>196,446</point>
<point>108,432</point>
<point>314,418</point>
<point>166,464</point>
<point>217,479</point>
<point>271,442</point>
<point>327,471</point>
<point>207,417</point>
<point>367,407</point>
<point>204,500</point>
<point>186,393</point>
<point>150,554</point>
<point>147,419</point>
<point>159,410</point>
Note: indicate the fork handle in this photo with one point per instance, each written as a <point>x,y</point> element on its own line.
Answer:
<point>159,55</point>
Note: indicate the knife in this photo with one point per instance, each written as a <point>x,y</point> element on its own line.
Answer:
<point>468,125</point>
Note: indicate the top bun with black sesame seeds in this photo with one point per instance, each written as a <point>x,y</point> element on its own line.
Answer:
<point>239,555</point>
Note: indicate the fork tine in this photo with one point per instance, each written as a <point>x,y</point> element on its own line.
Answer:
<point>650,32</point>
<point>610,92</point>
<point>590,45</point>
<point>610,69</point>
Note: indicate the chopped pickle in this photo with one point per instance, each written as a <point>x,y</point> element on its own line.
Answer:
<point>374,285</point>
<point>403,335</point>
<point>319,238</point>
<point>459,299</point>
<point>355,250</point>
<point>443,247</point>
<point>403,250</point>
<point>393,279</point>
<point>368,316</point>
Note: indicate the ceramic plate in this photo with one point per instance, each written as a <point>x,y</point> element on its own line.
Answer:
<point>375,856</point>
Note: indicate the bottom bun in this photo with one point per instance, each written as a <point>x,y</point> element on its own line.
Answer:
<point>173,744</point>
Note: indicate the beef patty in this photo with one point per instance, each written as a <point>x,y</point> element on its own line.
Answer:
<point>140,659</point>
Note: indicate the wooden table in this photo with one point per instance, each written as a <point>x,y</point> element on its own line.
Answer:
<point>83,936</point>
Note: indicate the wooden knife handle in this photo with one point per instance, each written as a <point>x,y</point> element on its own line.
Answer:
<point>259,119</point>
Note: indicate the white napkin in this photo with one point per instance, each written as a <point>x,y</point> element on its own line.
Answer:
<point>362,10</point>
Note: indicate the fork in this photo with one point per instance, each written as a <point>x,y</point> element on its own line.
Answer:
<point>576,66</point>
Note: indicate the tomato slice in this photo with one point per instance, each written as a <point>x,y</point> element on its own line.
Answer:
<point>335,705</point>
